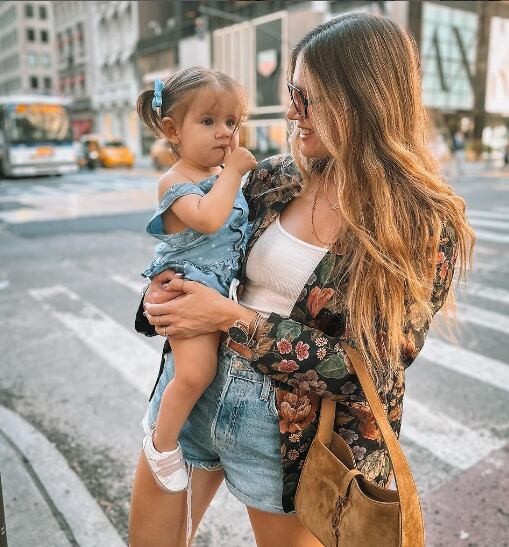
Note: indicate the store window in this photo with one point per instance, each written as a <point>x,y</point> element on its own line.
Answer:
<point>449,45</point>
<point>32,58</point>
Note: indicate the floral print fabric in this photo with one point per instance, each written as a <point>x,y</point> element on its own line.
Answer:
<point>302,353</point>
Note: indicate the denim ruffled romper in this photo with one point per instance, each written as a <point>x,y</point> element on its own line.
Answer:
<point>212,259</point>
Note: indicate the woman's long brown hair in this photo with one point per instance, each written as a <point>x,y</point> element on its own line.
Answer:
<point>362,73</point>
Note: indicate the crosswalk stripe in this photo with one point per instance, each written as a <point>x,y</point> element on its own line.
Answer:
<point>474,365</point>
<point>462,361</point>
<point>135,286</point>
<point>486,223</point>
<point>483,318</point>
<point>484,235</point>
<point>487,214</point>
<point>123,350</point>
<point>489,293</point>
<point>444,437</point>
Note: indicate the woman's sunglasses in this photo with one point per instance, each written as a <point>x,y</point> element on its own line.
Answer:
<point>299,100</point>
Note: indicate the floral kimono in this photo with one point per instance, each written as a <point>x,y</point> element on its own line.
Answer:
<point>302,353</point>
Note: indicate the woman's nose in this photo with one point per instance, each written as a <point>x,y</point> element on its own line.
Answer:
<point>291,112</point>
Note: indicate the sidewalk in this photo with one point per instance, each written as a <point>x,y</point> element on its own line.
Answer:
<point>472,510</point>
<point>486,168</point>
<point>45,502</point>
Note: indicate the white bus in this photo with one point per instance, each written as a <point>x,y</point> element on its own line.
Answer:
<point>35,136</point>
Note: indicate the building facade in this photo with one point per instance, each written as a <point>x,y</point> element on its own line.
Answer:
<point>167,42</point>
<point>74,54</point>
<point>256,50</point>
<point>27,48</point>
<point>114,34</point>
<point>464,68</point>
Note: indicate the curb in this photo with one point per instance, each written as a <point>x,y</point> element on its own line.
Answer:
<point>74,511</point>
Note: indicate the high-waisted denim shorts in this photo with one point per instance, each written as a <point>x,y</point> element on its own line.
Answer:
<point>234,426</point>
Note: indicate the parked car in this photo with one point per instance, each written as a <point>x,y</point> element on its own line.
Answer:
<point>161,155</point>
<point>112,153</point>
<point>115,153</point>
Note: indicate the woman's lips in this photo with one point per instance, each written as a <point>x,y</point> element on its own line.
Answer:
<point>305,133</point>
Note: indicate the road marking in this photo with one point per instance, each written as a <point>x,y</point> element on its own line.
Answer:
<point>486,223</point>
<point>123,350</point>
<point>483,318</point>
<point>445,438</point>
<point>479,249</point>
<point>489,293</point>
<point>477,366</point>
<point>487,214</point>
<point>128,282</point>
<point>484,235</point>
<point>65,489</point>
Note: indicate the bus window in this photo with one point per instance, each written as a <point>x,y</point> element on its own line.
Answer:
<point>39,123</point>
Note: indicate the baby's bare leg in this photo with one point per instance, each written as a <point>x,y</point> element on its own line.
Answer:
<point>195,368</point>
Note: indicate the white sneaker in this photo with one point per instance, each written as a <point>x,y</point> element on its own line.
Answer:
<point>168,468</point>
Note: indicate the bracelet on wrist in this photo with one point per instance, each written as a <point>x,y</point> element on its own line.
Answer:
<point>244,333</point>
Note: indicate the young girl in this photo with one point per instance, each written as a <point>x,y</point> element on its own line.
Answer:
<point>202,224</point>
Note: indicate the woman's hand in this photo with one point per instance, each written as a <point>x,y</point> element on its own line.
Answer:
<point>158,291</point>
<point>197,310</point>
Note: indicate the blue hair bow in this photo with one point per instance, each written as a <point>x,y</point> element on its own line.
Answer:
<point>157,101</point>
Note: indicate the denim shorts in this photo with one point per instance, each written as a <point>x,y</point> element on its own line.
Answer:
<point>234,426</point>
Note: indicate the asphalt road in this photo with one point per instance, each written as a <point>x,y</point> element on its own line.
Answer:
<point>75,376</point>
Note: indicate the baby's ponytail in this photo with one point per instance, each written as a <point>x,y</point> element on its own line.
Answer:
<point>147,114</point>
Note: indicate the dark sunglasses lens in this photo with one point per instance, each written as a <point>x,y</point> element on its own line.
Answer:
<point>297,100</point>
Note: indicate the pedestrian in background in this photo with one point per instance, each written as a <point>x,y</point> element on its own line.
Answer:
<point>458,151</point>
<point>354,239</point>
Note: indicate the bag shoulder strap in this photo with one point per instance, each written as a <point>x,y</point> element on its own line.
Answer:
<point>411,522</point>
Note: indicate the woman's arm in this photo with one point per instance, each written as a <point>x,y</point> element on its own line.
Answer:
<point>287,350</point>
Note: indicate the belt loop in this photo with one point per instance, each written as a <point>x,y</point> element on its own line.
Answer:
<point>265,388</point>
<point>231,360</point>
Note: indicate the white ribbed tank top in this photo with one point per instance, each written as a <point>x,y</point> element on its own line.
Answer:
<point>277,269</point>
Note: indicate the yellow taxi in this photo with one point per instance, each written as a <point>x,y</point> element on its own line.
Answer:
<point>115,153</point>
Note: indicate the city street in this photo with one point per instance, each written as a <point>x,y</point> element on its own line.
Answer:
<point>76,376</point>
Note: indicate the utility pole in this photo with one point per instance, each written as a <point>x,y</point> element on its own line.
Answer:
<point>481,73</point>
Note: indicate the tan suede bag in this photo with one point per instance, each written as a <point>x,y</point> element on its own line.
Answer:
<point>337,504</point>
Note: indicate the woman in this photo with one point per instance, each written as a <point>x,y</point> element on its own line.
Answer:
<point>354,239</point>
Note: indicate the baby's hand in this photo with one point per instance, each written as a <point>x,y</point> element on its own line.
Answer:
<point>240,159</point>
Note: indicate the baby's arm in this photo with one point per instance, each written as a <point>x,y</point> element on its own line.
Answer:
<point>208,213</point>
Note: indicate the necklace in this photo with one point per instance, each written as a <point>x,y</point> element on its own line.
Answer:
<point>333,207</point>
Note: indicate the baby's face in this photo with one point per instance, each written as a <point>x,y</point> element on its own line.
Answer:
<point>209,125</point>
